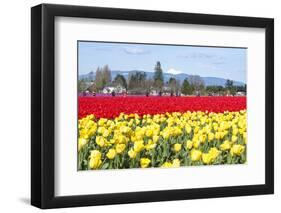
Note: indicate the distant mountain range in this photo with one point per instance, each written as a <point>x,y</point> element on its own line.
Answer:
<point>209,81</point>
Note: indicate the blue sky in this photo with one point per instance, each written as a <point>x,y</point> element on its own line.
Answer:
<point>227,63</point>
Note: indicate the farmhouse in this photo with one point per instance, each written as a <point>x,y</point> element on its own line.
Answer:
<point>110,89</point>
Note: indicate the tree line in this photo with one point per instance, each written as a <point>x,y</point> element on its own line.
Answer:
<point>139,83</point>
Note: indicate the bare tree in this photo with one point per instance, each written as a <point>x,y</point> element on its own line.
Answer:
<point>106,74</point>
<point>103,77</point>
<point>148,84</point>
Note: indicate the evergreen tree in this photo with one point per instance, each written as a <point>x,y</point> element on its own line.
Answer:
<point>137,80</point>
<point>228,84</point>
<point>173,85</point>
<point>120,80</point>
<point>158,76</point>
<point>186,89</point>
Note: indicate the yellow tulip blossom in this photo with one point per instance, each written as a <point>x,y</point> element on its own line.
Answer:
<point>111,154</point>
<point>201,134</point>
<point>132,153</point>
<point>177,147</point>
<point>234,138</point>
<point>237,149</point>
<point>206,158</point>
<point>195,155</point>
<point>144,162</point>
<point>139,146</point>
<point>226,145</point>
<point>120,148</point>
<point>101,141</point>
<point>189,144</point>
<point>167,165</point>
<point>95,159</point>
<point>81,142</point>
<point>176,163</point>
<point>150,145</point>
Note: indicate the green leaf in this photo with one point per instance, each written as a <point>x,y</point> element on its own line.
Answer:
<point>105,166</point>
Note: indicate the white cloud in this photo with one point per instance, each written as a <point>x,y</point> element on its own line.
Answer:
<point>135,51</point>
<point>174,71</point>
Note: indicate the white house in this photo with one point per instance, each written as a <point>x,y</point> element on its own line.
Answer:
<point>110,89</point>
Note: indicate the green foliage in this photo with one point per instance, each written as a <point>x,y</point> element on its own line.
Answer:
<point>231,89</point>
<point>82,85</point>
<point>215,89</point>
<point>173,85</point>
<point>186,88</point>
<point>137,80</point>
<point>120,80</point>
<point>158,76</point>
<point>228,84</point>
<point>196,82</point>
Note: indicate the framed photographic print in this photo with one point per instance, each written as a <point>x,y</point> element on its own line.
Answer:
<point>140,106</point>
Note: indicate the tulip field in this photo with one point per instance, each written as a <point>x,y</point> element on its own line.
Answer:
<point>144,132</point>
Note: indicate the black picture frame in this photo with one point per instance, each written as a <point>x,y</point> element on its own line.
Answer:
<point>43,102</point>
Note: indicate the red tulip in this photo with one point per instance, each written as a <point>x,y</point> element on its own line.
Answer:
<point>110,107</point>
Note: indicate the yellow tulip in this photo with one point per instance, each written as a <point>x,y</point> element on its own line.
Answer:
<point>95,159</point>
<point>214,152</point>
<point>177,147</point>
<point>132,153</point>
<point>144,162</point>
<point>189,144</point>
<point>188,129</point>
<point>105,133</point>
<point>148,132</point>
<point>226,145</point>
<point>155,138</point>
<point>100,141</point>
<point>120,148</point>
<point>237,149</point>
<point>176,163</point>
<point>150,145</point>
<point>111,154</point>
<point>138,146</point>
<point>234,138</point>
<point>211,136</point>
<point>81,143</point>
<point>167,165</point>
<point>206,158</point>
<point>195,155</point>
